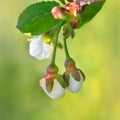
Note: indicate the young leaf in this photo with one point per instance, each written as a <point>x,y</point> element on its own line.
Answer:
<point>90,11</point>
<point>37,18</point>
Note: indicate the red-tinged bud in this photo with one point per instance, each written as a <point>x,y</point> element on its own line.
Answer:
<point>73,7</point>
<point>73,76</point>
<point>52,88</point>
<point>75,22</point>
<point>57,12</point>
<point>53,83</point>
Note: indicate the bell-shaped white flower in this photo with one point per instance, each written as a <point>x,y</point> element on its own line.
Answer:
<point>38,48</point>
<point>53,83</point>
<point>57,90</point>
<point>73,76</point>
<point>75,85</point>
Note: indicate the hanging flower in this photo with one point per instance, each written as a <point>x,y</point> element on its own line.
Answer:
<point>38,48</point>
<point>73,76</point>
<point>53,83</point>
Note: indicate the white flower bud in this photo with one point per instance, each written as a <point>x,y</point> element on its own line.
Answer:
<point>57,90</point>
<point>38,48</point>
<point>75,85</point>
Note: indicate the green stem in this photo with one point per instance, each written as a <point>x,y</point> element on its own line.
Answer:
<point>55,42</point>
<point>66,50</point>
<point>62,1</point>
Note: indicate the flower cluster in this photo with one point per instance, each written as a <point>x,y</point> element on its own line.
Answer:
<point>44,45</point>
<point>55,84</point>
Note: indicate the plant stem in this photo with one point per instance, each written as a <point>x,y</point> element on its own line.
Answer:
<point>62,1</point>
<point>55,42</point>
<point>66,50</point>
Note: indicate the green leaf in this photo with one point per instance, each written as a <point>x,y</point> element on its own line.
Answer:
<point>37,18</point>
<point>90,11</point>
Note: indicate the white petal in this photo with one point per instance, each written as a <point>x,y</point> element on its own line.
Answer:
<point>39,49</point>
<point>46,51</point>
<point>74,85</point>
<point>84,2</point>
<point>57,91</point>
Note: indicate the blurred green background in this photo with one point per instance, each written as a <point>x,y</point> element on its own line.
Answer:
<point>96,49</point>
